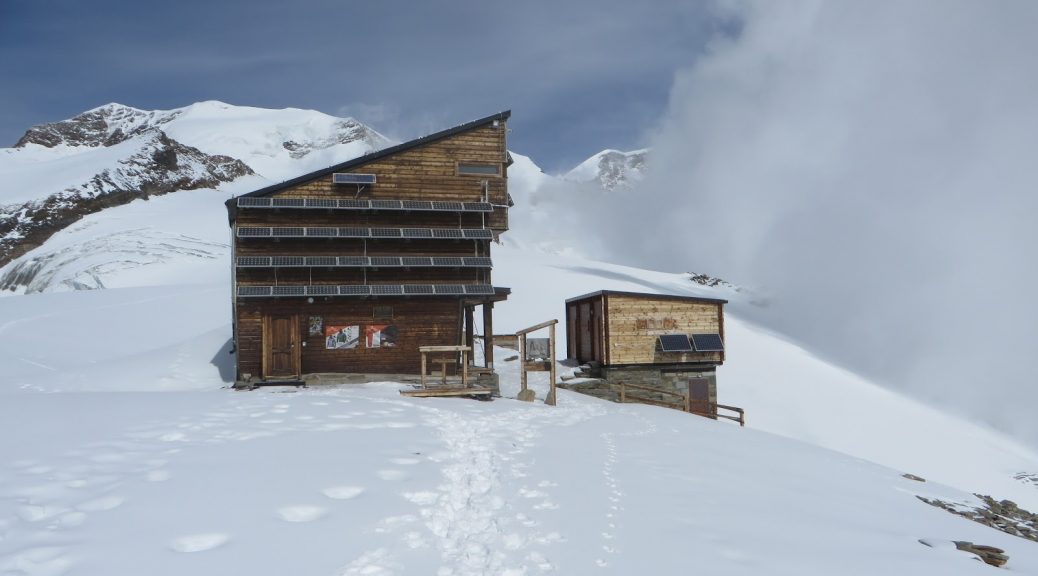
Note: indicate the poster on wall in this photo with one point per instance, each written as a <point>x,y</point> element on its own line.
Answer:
<point>380,335</point>
<point>316,325</point>
<point>341,337</point>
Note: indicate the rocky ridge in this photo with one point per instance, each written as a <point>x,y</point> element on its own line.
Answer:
<point>160,165</point>
<point>158,152</point>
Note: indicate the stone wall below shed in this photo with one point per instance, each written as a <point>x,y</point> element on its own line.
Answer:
<point>673,378</point>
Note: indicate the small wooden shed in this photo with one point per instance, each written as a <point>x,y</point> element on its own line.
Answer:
<point>674,343</point>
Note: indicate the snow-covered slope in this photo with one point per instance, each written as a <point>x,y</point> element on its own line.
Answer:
<point>102,474</point>
<point>359,480</point>
<point>110,155</point>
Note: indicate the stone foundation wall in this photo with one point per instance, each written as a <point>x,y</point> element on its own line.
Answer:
<point>670,378</point>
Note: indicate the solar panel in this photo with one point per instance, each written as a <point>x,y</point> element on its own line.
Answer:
<point>386,289</point>
<point>290,231</point>
<point>322,232</point>
<point>449,289</point>
<point>481,234</point>
<point>675,343</point>
<point>252,261</point>
<point>385,261</point>
<point>446,233</point>
<point>322,203</point>
<point>478,207</point>
<point>416,261</point>
<point>448,261</point>
<point>288,202</point>
<point>253,290</point>
<point>354,204</point>
<point>353,260</point>
<point>288,261</point>
<point>417,205</point>
<point>385,232</point>
<point>418,289</point>
<point>253,231</point>
<point>417,233</point>
<point>352,178</point>
<point>289,290</point>
<point>253,202</point>
<point>448,206</point>
<point>479,289</point>
<point>386,204</point>
<point>479,262</point>
<point>354,290</point>
<point>708,342</point>
<point>322,290</point>
<point>353,233</point>
<point>321,261</point>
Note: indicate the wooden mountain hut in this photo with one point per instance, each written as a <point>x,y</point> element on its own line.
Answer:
<point>671,344</point>
<point>351,268</point>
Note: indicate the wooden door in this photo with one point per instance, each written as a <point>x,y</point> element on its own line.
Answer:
<point>281,353</point>
<point>586,329</point>
<point>597,328</point>
<point>699,397</point>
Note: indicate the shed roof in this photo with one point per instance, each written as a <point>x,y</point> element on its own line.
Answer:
<point>361,160</point>
<point>647,296</point>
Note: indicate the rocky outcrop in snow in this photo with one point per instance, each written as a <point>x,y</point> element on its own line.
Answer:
<point>156,165</point>
<point>106,125</point>
<point>113,154</point>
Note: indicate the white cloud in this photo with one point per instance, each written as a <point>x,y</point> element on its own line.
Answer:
<point>873,165</point>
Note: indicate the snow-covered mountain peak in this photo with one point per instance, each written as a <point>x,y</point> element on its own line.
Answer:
<point>106,125</point>
<point>611,169</point>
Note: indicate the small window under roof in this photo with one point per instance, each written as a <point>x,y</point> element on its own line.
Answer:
<point>352,178</point>
<point>479,169</point>
<point>675,343</point>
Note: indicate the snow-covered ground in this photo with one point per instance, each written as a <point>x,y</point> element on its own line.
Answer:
<point>123,452</point>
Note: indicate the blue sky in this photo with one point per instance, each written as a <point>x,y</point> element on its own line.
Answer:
<point>579,76</point>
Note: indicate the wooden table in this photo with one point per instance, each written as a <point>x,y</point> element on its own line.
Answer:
<point>425,350</point>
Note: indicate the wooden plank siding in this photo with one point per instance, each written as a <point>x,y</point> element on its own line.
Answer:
<point>425,169</point>
<point>622,328</point>
<point>428,172</point>
<point>635,323</point>
<point>421,322</point>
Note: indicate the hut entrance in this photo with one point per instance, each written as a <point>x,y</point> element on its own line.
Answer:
<point>699,397</point>
<point>281,354</point>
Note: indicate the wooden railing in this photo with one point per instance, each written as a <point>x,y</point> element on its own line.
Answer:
<point>741,418</point>
<point>708,409</point>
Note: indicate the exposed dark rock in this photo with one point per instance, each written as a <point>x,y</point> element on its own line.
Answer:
<point>988,554</point>
<point>160,166</point>
<point>913,477</point>
<point>105,126</point>
<point>1005,516</point>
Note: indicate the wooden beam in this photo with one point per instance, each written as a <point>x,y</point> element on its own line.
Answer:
<point>470,332</point>
<point>522,362</point>
<point>488,334</point>
<point>537,327</point>
<point>443,349</point>
<point>550,400</point>
<point>423,393</point>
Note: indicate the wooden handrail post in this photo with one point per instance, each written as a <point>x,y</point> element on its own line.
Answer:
<point>550,400</point>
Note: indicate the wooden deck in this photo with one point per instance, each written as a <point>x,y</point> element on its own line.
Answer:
<point>447,391</point>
